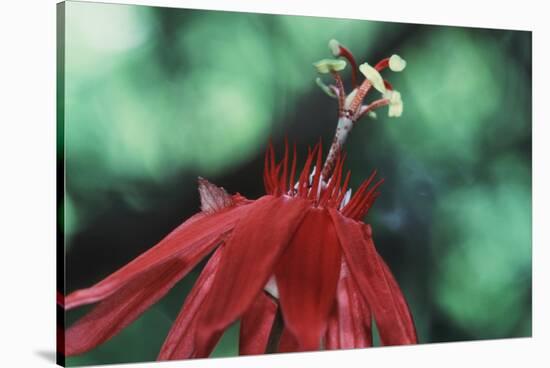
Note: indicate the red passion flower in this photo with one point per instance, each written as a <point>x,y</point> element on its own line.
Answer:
<point>300,255</point>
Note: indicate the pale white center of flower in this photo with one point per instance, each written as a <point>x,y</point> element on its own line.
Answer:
<point>373,76</point>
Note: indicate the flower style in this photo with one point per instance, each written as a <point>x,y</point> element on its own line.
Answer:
<point>300,255</point>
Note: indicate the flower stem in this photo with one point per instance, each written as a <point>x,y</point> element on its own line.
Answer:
<point>342,130</point>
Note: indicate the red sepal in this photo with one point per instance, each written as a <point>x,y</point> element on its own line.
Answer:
<point>180,342</point>
<point>256,325</point>
<point>393,319</point>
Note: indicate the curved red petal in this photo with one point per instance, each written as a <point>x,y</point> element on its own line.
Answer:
<point>256,325</point>
<point>180,342</point>
<point>250,253</point>
<point>381,293</point>
<point>307,275</point>
<point>190,242</point>
<point>350,325</point>
<point>119,310</point>
<point>288,343</point>
<point>401,302</point>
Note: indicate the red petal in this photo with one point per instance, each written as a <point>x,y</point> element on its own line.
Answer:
<point>119,310</point>
<point>383,295</point>
<point>307,275</point>
<point>287,342</point>
<point>292,169</point>
<point>402,305</point>
<point>332,337</point>
<point>190,242</point>
<point>256,325</point>
<point>350,325</point>
<point>283,179</point>
<point>303,181</point>
<point>250,253</point>
<point>314,191</point>
<point>180,342</point>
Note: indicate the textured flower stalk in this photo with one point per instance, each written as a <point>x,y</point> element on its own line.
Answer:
<point>301,254</point>
<point>350,106</point>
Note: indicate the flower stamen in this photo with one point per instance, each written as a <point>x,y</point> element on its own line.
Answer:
<point>360,96</point>
<point>339,50</point>
<point>341,93</point>
<point>331,91</point>
<point>395,63</point>
<point>333,66</point>
<point>366,109</point>
<point>350,107</point>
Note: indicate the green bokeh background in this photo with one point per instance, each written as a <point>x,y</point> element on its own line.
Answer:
<point>154,97</point>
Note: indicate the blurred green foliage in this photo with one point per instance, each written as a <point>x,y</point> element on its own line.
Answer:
<point>155,97</point>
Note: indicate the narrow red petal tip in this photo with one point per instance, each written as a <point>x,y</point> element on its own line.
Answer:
<point>313,193</point>
<point>293,168</point>
<point>283,179</point>
<point>361,201</point>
